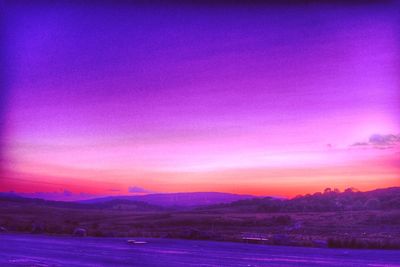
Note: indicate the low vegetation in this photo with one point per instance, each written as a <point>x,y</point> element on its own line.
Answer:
<point>330,219</point>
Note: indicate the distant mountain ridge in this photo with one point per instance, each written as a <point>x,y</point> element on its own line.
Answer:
<point>110,204</point>
<point>329,200</point>
<point>177,199</point>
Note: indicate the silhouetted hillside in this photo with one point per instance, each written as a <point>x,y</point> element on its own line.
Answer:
<point>110,204</point>
<point>177,199</point>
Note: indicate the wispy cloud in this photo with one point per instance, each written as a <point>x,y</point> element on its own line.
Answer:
<point>114,190</point>
<point>139,190</point>
<point>380,141</point>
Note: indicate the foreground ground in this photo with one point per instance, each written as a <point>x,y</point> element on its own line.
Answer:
<point>346,229</point>
<point>368,220</point>
<point>42,250</point>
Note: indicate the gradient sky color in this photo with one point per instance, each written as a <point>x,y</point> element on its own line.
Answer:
<point>259,99</point>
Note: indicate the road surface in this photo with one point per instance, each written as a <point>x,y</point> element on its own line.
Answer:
<point>42,250</point>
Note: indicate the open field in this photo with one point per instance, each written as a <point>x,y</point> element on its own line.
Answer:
<point>353,229</point>
<point>42,250</point>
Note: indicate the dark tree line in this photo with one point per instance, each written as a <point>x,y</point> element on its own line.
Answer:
<point>329,200</point>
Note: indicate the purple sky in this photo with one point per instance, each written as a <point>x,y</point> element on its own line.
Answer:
<point>191,98</point>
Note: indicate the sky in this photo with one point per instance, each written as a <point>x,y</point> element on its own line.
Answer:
<point>253,99</point>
